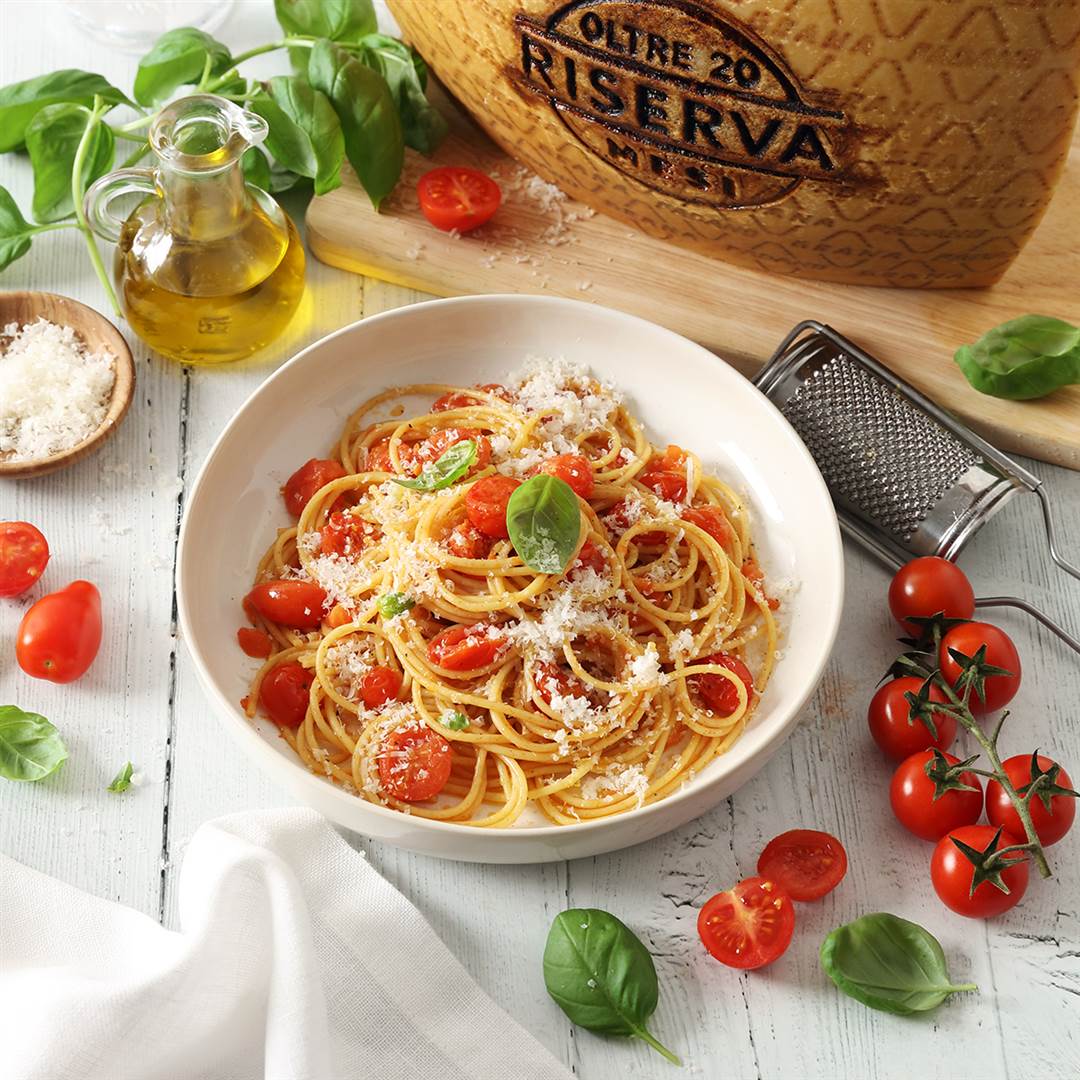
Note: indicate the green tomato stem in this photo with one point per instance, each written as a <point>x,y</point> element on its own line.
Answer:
<point>77,193</point>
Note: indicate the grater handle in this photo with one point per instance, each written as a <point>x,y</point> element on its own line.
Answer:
<point>1034,612</point>
<point>1051,539</point>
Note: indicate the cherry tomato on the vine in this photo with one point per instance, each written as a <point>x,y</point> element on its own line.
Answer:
<point>24,553</point>
<point>748,926</point>
<point>893,727</point>
<point>805,863</point>
<point>283,693</point>
<point>911,794</point>
<point>454,197</point>
<point>1050,824</point>
<point>952,873</point>
<point>60,634</point>
<point>414,763</point>
<point>930,586</point>
<point>968,638</point>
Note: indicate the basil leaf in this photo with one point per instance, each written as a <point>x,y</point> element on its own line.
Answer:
<point>442,472</point>
<point>256,168</point>
<point>338,20</point>
<point>1024,358</point>
<point>15,230</point>
<point>369,119</point>
<point>405,73</point>
<point>178,58</point>
<point>20,102</point>
<point>30,747</point>
<point>601,975</point>
<point>122,780</point>
<point>305,134</point>
<point>393,604</point>
<point>52,138</point>
<point>889,964</point>
<point>455,721</point>
<point>544,523</point>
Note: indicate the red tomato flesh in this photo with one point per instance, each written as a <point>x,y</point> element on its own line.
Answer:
<point>24,553</point>
<point>894,729</point>
<point>283,693</point>
<point>574,470</point>
<point>590,557</point>
<point>930,586</point>
<point>379,685</point>
<point>748,926</point>
<point>1050,825</point>
<point>463,648</point>
<point>298,604</point>
<point>719,694</point>
<point>711,519</point>
<point>414,763</point>
<point>312,475</point>
<point>346,535</point>
<point>805,863</point>
<point>952,874</point>
<point>255,643</point>
<point>453,197</point>
<point>911,795</point>
<point>60,634</point>
<point>485,505</point>
<point>967,638</point>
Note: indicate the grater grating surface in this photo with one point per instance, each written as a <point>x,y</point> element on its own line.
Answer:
<point>875,449</point>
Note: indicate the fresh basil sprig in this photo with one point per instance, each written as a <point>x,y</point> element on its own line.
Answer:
<point>1024,358</point>
<point>441,473</point>
<point>544,523</point>
<point>30,747</point>
<point>601,975</point>
<point>889,964</point>
<point>122,780</point>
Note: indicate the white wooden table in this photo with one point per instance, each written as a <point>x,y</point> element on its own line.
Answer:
<point>114,518</point>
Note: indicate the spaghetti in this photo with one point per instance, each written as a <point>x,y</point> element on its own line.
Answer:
<point>412,657</point>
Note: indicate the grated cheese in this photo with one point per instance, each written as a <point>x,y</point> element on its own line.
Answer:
<point>54,393</point>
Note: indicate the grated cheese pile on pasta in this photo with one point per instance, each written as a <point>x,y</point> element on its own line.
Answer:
<point>412,656</point>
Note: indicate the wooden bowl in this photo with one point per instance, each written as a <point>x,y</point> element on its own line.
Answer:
<point>98,335</point>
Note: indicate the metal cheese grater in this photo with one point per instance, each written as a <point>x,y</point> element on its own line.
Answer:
<point>907,478</point>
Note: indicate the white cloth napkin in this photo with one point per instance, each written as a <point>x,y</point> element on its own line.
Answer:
<point>296,961</point>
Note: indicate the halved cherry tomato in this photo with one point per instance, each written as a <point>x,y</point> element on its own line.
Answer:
<point>255,643</point>
<point>379,685</point>
<point>462,399</point>
<point>893,727</point>
<point>377,458</point>
<point>590,557</point>
<point>453,197</point>
<point>911,794</point>
<point>346,535</point>
<point>751,570</point>
<point>711,519</point>
<point>720,695</point>
<point>666,475</point>
<point>60,634</point>
<point>414,763</point>
<point>283,693</point>
<point>553,681</point>
<point>930,586</point>
<point>952,873</point>
<point>1050,825</point>
<point>466,542</point>
<point>572,469</point>
<point>24,553</point>
<point>312,475</point>
<point>298,604</point>
<point>748,926</point>
<point>805,863</point>
<point>968,638</point>
<point>463,648</point>
<point>485,505</point>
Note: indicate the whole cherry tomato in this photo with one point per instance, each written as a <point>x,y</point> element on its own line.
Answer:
<point>574,470</point>
<point>379,685</point>
<point>298,604</point>
<point>952,873</point>
<point>414,763</point>
<point>968,638</point>
<point>911,794</point>
<point>24,553</point>
<point>312,475</point>
<point>60,634</point>
<point>893,727</point>
<point>930,586</point>
<point>748,926</point>
<point>719,693</point>
<point>283,693</point>
<point>1052,823</point>
<point>485,505</point>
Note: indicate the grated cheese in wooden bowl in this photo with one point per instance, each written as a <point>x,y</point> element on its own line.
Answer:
<point>54,393</point>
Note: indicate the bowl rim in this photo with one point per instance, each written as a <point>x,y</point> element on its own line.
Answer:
<point>120,398</point>
<point>295,773</point>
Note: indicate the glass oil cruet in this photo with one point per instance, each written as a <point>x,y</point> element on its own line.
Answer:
<point>208,267</point>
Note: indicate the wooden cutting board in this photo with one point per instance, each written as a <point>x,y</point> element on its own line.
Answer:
<point>542,242</point>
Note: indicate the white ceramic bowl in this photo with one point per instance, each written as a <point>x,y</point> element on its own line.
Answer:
<point>683,393</point>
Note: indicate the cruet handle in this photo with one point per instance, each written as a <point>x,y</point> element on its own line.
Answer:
<point>102,193</point>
